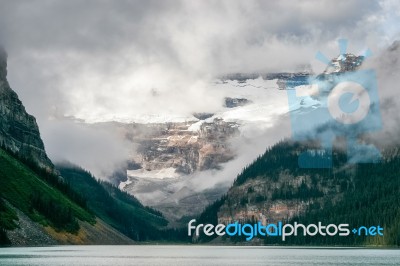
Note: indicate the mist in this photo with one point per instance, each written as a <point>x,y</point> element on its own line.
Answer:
<point>247,147</point>
<point>98,150</point>
<point>387,66</point>
<point>114,60</point>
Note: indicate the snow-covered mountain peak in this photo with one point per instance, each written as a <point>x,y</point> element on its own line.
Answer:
<point>343,63</point>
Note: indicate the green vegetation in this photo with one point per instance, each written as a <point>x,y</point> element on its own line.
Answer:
<point>50,178</point>
<point>34,195</point>
<point>60,216</point>
<point>287,192</point>
<point>60,202</point>
<point>370,195</point>
<point>374,200</point>
<point>8,216</point>
<point>117,208</point>
<point>209,215</point>
<point>7,221</point>
<point>283,157</point>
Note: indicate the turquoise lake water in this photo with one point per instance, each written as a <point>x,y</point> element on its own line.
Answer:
<point>194,255</point>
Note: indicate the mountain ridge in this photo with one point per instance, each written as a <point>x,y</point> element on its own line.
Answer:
<point>37,205</point>
<point>19,131</point>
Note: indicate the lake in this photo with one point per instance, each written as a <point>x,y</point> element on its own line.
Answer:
<point>194,255</point>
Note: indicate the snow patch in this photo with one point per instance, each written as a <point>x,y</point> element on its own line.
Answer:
<point>157,174</point>
<point>195,126</point>
<point>122,185</point>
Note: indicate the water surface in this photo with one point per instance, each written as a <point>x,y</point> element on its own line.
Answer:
<point>194,256</point>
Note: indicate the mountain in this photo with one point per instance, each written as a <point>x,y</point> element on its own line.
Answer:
<point>19,131</point>
<point>173,152</point>
<point>38,206</point>
<point>273,188</point>
<point>343,63</point>
<point>171,155</point>
<point>117,208</point>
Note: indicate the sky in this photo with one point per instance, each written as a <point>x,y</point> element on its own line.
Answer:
<point>94,59</point>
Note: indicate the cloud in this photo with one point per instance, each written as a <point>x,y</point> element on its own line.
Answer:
<point>253,141</point>
<point>105,56</point>
<point>97,149</point>
<point>387,66</point>
<point>117,59</point>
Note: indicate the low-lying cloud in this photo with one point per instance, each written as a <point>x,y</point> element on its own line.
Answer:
<point>117,59</point>
<point>97,149</point>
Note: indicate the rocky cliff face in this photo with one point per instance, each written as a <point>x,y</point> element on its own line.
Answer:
<point>271,200</point>
<point>19,131</point>
<point>280,194</point>
<point>179,164</point>
<point>183,148</point>
<point>344,63</point>
<point>166,156</point>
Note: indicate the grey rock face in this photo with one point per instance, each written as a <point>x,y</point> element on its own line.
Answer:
<point>344,63</point>
<point>3,63</point>
<point>235,102</point>
<point>258,198</point>
<point>172,145</point>
<point>203,116</point>
<point>19,131</point>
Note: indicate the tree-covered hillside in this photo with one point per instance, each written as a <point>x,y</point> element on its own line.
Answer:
<point>119,209</point>
<point>41,195</point>
<point>360,195</point>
